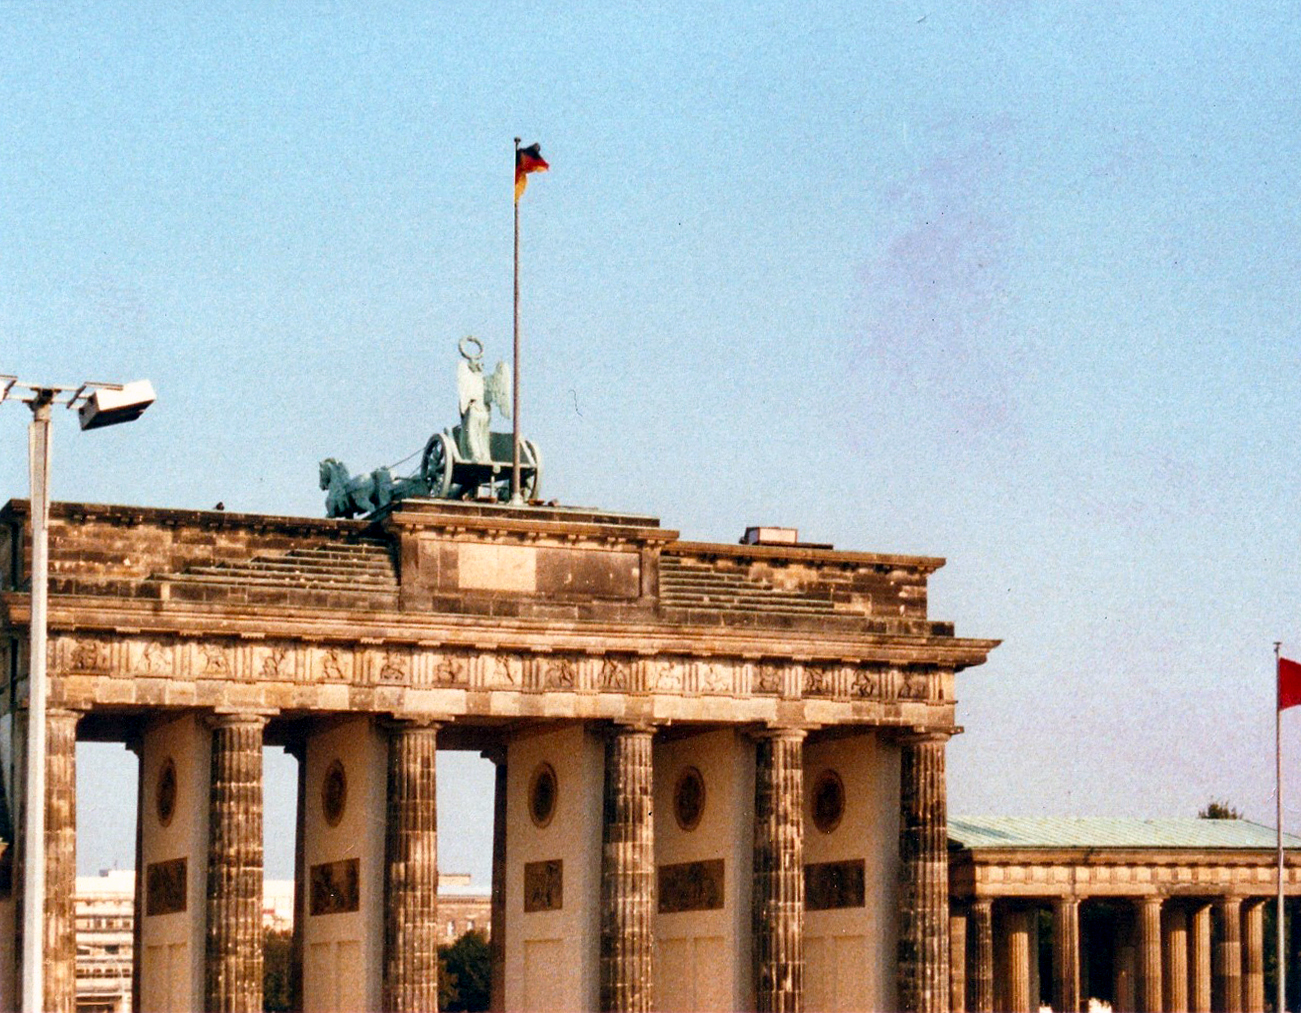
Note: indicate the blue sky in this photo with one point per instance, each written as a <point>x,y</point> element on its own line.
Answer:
<point>1011,284</point>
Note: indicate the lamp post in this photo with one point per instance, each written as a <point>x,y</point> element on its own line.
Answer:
<point>98,404</point>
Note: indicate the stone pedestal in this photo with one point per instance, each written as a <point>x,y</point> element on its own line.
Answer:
<point>958,964</point>
<point>1066,956</point>
<point>778,897</point>
<point>924,889</point>
<point>1174,981</point>
<point>1148,954</point>
<point>410,978</point>
<point>981,985</point>
<point>1253,957</point>
<point>627,872</point>
<point>1227,954</point>
<point>1199,960</point>
<point>233,950</point>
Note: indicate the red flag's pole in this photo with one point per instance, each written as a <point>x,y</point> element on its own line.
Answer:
<point>515,496</point>
<point>1281,997</point>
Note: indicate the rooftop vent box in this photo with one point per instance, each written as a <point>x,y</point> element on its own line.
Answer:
<point>771,536</point>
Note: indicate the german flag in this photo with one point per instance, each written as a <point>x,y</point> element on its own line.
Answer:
<point>527,160</point>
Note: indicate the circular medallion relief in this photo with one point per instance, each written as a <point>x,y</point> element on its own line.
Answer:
<point>165,792</point>
<point>334,793</point>
<point>828,801</point>
<point>542,794</point>
<point>689,798</point>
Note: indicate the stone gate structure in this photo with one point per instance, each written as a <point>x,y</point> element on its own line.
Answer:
<point>720,768</point>
<point>1148,915</point>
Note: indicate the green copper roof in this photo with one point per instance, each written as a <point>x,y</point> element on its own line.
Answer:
<point>1109,832</point>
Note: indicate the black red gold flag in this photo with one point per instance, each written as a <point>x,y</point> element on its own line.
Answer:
<point>527,160</point>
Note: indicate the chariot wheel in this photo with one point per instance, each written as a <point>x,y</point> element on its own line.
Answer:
<point>436,465</point>
<point>530,484</point>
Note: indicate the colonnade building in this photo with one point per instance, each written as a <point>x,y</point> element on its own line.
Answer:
<point>1148,915</point>
<point>720,768</point>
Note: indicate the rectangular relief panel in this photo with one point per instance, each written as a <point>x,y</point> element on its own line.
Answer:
<point>832,885</point>
<point>165,887</point>
<point>544,886</point>
<point>336,887</point>
<point>529,569</point>
<point>691,886</point>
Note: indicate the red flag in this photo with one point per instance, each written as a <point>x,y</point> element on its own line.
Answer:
<point>1289,683</point>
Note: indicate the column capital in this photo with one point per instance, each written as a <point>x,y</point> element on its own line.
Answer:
<point>411,722</point>
<point>780,733</point>
<point>632,727</point>
<point>918,735</point>
<point>224,718</point>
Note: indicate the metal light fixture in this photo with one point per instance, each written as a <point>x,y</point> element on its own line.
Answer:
<point>98,404</point>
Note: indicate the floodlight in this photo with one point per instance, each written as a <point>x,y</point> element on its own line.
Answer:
<point>107,406</point>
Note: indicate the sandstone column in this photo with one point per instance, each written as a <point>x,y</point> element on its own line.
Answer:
<point>957,963</point>
<point>497,938</point>
<point>233,956</point>
<point>1227,954</point>
<point>1253,957</point>
<point>1017,937</point>
<point>1066,955</point>
<point>982,951</point>
<point>1175,945</point>
<point>1149,954</point>
<point>778,911</point>
<point>60,940</point>
<point>410,974</point>
<point>627,871</point>
<point>924,888</point>
<point>1199,960</point>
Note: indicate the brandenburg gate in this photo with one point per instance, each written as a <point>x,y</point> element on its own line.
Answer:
<point>720,767</point>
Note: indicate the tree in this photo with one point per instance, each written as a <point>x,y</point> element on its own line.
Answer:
<point>1217,809</point>
<point>276,948</point>
<point>464,973</point>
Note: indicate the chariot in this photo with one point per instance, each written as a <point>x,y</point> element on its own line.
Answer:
<point>452,474</point>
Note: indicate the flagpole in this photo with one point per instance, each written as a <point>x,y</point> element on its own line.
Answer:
<point>515,496</point>
<point>1278,821</point>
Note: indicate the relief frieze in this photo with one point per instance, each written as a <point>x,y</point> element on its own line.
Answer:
<point>691,886</point>
<point>829,886</point>
<point>335,887</point>
<point>544,886</point>
<point>615,675</point>
<point>165,887</point>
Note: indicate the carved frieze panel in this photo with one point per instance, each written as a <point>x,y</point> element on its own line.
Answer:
<point>561,672</point>
<point>165,887</point>
<point>501,671</point>
<point>615,674</point>
<point>691,886</point>
<point>767,679</point>
<point>716,676</point>
<point>669,676</point>
<point>832,885</point>
<point>544,886</point>
<point>819,680</point>
<point>331,664</point>
<point>336,887</point>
